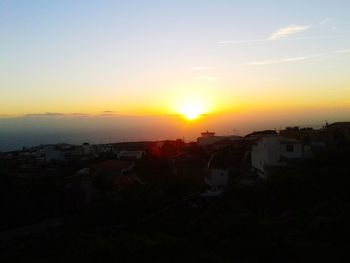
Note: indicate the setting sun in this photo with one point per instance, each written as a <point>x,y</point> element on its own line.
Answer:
<point>191,113</point>
<point>192,109</point>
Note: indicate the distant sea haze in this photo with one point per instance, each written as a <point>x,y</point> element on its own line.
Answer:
<point>31,130</point>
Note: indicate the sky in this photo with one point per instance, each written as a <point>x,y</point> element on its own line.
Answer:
<point>234,62</point>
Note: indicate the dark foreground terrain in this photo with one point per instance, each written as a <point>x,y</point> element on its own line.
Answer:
<point>301,214</point>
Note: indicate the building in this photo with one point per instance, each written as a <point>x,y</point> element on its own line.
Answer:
<point>209,138</point>
<point>51,153</point>
<point>218,170</point>
<point>217,178</point>
<point>338,133</point>
<point>306,135</point>
<point>87,149</point>
<point>273,152</point>
<point>113,174</point>
<point>256,135</point>
<point>131,155</point>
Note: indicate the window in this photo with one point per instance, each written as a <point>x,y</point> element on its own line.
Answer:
<point>289,148</point>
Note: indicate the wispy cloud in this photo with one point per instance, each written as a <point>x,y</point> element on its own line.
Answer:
<point>207,78</point>
<point>275,61</point>
<point>280,34</point>
<point>108,113</point>
<point>47,114</point>
<point>325,21</point>
<point>58,114</point>
<point>77,114</point>
<point>287,31</point>
<point>227,42</point>
<point>343,51</point>
<point>200,68</point>
<point>315,57</point>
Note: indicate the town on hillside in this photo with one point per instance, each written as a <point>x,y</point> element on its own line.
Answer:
<point>197,190</point>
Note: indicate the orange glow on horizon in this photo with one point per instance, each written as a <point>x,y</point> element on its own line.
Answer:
<point>192,108</point>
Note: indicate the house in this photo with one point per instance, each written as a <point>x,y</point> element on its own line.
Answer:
<point>79,190</point>
<point>111,174</point>
<point>218,169</point>
<point>131,155</point>
<point>209,138</point>
<point>338,133</point>
<point>114,167</point>
<point>51,153</point>
<point>273,152</point>
<point>256,135</point>
<point>87,149</point>
<point>307,135</point>
<point>210,141</point>
<point>217,177</point>
<point>229,141</point>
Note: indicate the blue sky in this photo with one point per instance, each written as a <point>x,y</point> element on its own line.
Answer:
<point>152,57</point>
<point>54,50</point>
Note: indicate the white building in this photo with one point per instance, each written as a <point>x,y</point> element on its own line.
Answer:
<point>50,154</point>
<point>273,151</point>
<point>131,155</point>
<point>87,149</point>
<point>209,138</point>
<point>217,178</point>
